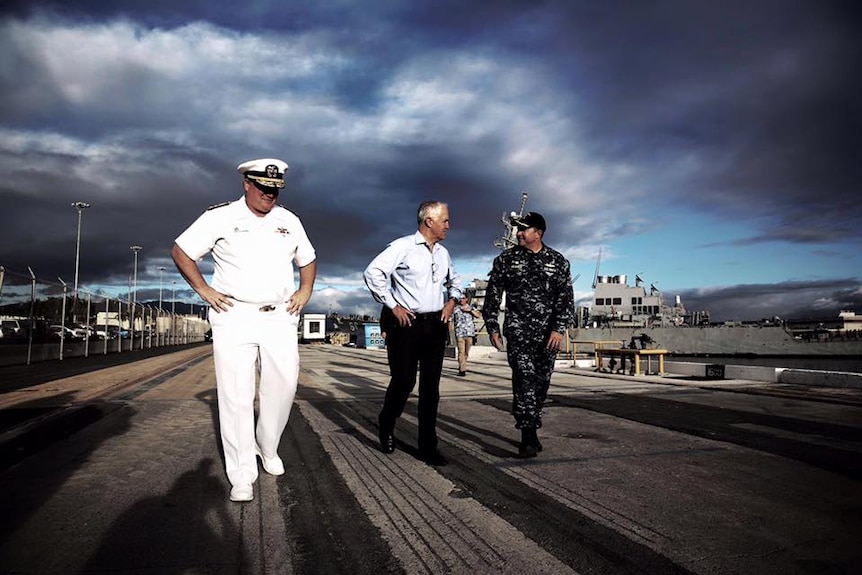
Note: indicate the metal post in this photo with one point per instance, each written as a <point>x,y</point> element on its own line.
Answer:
<point>63,320</point>
<point>87,323</point>
<point>32,313</point>
<point>159,315</point>
<point>80,206</point>
<point>107,333</point>
<point>135,250</point>
<point>143,325</point>
<point>174,313</point>
<point>119,325</point>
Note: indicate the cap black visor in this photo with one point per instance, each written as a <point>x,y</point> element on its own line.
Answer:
<point>270,190</point>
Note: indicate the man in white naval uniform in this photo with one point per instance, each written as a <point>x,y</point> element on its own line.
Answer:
<point>254,312</point>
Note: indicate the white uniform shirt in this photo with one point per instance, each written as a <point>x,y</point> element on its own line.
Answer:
<point>408,274</point>
<point>253,255</point>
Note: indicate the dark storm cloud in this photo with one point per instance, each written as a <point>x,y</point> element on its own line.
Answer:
<point>763,98</point>
<point>788,300</point>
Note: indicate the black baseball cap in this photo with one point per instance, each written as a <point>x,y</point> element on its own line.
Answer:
<point>530,220</point>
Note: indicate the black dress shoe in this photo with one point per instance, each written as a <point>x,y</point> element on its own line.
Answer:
<point>387,442</point>
<point>433,458</point>
<point>527,451</point>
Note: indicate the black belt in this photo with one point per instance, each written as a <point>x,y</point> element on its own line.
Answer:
<point>428,315</point>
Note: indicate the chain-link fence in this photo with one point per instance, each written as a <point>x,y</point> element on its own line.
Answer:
<point>43,320</point>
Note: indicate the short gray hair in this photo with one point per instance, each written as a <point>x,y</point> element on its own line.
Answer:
<point>429,209</point>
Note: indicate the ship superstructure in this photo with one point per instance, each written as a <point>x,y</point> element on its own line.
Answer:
<point>617,304</point>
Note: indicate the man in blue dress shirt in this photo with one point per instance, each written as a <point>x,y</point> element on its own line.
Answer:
<point>418,286</point>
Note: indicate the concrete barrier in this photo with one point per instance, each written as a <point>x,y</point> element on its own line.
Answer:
<point>752,372</point>
<point>747,372</point>
<point>689,368</point>
<point>824,378</point>
<point>771,374</point>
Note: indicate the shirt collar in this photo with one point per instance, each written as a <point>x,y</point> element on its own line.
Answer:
<point>419,239</point>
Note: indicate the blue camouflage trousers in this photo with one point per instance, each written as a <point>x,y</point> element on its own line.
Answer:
<point>532,364</point>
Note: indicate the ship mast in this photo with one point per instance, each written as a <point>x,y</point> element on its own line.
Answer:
<point>510,239</point>
<point>598,263</point>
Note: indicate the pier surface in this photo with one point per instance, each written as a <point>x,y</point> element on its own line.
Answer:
<point>112,465</point>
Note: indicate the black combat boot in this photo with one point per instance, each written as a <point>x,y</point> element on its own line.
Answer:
<point>527,449</point>
<point>535,438</point>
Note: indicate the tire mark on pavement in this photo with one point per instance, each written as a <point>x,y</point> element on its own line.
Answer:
<point>735,427</point>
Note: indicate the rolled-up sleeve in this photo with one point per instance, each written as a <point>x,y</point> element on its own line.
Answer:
<point>378,276</point>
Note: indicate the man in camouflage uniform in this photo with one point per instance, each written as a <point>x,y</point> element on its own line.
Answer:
<point>537,282</point>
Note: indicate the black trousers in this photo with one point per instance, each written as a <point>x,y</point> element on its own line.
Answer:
<point>421,345</point>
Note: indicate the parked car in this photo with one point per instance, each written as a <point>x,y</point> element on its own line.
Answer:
<point>7,334</point>
<point>103,333</point>
<point>83,331</point>
<point>118,332</point>
<point>62,332</point>
<point>11,330</point>
<point>12,325</point>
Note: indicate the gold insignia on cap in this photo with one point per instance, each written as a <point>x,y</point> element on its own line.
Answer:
<point>268,172</point>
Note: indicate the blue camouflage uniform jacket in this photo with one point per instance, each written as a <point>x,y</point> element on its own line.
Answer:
<point>539,296</point>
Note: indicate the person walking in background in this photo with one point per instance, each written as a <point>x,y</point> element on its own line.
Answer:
<point>254,312</point>
<point>465,331</point>
<point>418,286</point>
<point>537,282</point>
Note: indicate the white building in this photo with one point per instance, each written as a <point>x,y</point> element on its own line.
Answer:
<point>313,327</point>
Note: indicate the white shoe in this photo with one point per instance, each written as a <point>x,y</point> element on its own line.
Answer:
<point>242,492</point>
<point>272,465</point>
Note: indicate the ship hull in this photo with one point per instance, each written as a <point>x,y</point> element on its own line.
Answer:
<point>723,340</point>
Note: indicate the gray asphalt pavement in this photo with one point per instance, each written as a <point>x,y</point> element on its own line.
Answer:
<point>115,467</point>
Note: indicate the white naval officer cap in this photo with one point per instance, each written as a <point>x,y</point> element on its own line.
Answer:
<point>266,172</point>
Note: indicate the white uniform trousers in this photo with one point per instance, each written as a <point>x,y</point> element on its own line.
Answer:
<point>242,336</point>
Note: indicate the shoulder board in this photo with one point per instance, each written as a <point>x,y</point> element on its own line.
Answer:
<point>221,205</point>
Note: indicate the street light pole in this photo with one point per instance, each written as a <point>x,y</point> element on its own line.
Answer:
<point>80,206</point>
<point>135,250</point>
